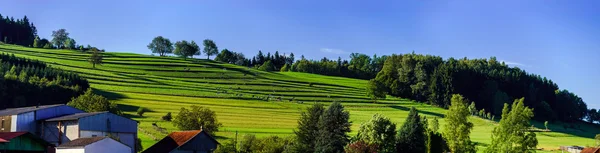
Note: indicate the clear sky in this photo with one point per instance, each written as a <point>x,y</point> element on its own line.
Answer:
<point>556,39</point>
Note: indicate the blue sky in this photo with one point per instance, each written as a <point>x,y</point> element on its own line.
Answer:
<point>556,39</point>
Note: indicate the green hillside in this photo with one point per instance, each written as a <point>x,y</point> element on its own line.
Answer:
<point>239,95</point>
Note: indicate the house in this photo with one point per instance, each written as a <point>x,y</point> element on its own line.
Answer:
<point>13,142</point>
<point>67,128</point>
<point>571,149</point>
<point>590,150</point>
<point>26,119</point>
<point>93,145</point>
<point>197,141</point>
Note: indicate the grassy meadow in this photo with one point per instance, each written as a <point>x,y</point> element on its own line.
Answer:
<point>239,96</point>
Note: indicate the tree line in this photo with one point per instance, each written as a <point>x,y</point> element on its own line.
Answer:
<point>26,82</point>
<point>325,130</point>
<point>19,31</point>
<point>488,82</point>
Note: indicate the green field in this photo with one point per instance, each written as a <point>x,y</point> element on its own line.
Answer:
<point>237,94</point>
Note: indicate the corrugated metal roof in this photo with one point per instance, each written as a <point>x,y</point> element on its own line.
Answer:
<point>75,116</point>
<point>20,110</point>
<point>81,142</point>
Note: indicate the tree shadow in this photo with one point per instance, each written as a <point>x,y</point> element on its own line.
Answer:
<point>108,94</point>
<point>439,115</point>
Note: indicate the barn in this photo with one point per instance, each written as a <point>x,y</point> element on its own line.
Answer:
<point>196,141</point>
<point>26,119</point>
<point>22,142</point>
<point>93,145</point>
<point>67,128</point>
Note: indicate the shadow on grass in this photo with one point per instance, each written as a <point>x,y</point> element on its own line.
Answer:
<point>439,115</point>
<point>109,95</point>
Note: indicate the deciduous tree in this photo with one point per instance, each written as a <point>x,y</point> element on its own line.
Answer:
<point>60,36</point>
<point>379,131</point>
<point>458,128</point>
<point>186,49</point>
<point>511,135</point>
<point>161,45</point>
<point>197,118</point>
<point>210,48</point>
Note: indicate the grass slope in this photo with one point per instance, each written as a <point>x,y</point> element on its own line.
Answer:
<point>163,84</point>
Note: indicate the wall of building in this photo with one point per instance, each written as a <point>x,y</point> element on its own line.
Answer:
<point>69,131</point>
<point>26,122</point>
<point>108,146</point>
<point>200,142</point>
<point>5,123</point>
<point>70,150</point>
<point>108,122</point>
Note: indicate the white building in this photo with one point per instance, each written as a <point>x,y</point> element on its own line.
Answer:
<point>93,145</point>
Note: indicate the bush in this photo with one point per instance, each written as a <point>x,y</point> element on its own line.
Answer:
<point>167,117</point>
<point>91,102</point>
<point>267,66</point>
<point>197,118</point>
<point>285,68</point>
<point>141,111</point>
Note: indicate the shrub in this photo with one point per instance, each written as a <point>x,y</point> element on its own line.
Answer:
<point>167,117</point>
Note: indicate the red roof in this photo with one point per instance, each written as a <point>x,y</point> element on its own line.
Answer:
<point>6,136</point>
<point>183,136</point>
<point>174,140</point>
<point>590,150</point>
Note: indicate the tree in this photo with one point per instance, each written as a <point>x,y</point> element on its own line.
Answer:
<point>308,128</point>
<point>225,56</point>
<point>60,36</point>
<point>91,102</point>
<point>186,49</point>
<point>70,43</point>
<point>597,139</point>
<point>285,68</point>
<point>411,137</point>
<point>37,43</point>
<point>167,117</point>
<point>375,89</point>
<point>472,108</point>
<point>197,118</point>
<point>435,142</point>
<point>434,125</point>
<point>210,48</point>
<point>546,125</point>
<point>95,57</point>
<point>161,45</point>
<point>511,134</point>
<point>458,128</point>
<point>333,128</point>
<point>379,131</point>
<point>48,46</point>
<point>267,66</point>
<point>141,111</point>
<point>361,147</point>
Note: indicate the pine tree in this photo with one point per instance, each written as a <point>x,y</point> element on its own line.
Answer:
<point>411,137</point>
<point>308,129</point>
<point>333,128</point>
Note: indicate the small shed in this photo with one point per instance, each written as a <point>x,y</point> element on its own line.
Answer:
<point>22,142</point>
<point>196,141</point>
<point>93,145</point>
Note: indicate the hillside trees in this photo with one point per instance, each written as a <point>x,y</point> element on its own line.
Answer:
<point>267,66</point>
<point>19,31</point>
<point>70,43</point>
<point>308,128</point>
<point>458,128</point>
<point>210,48</point>
<point>91,102</point>
<point>232,57</point>
<point>411,137</point>
<point>161,45</point>
<point>378,131</point>
<point>511,135</point>
<point>197,118</point>
<point>186,49</point>
<point>333,128</point>
<point>60,37</point>
<point>375,89</point>
<point>95,57</point>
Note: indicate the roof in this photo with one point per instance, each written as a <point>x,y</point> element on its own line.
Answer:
<point>81,142</point>
<point>75,116</point>
<point>7,136</point>
<point>590,150</point>
<point>174,140</point>
<point>20,110</point>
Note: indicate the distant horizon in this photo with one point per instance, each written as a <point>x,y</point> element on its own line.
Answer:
<point>553,39</point>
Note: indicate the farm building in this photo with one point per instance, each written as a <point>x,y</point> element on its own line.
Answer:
<point>197,141</point>
<point>93,145</point>
<point>26,119</point>
<point>22,142</point>
<point>590,150</point>
<point>67,128</point>
<point>571,149</point>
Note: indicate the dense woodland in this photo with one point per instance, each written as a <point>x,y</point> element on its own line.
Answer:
<point>19,31</point>
<point>27,82</point>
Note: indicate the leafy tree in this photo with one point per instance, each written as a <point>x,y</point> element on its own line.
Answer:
<point>378,131</point>
<point>91,102</point>
<point>411,137</point>
<point>225,56</point>
<point>227,147</point>
<point>161,45</point>
<point>48,46</point>
<point>186,49</point>
<point>511,135</point>
<point>197,118</point>
<point>375,89</point>
<point>95,57</point>
<point>361,147</point>
<point>246,143</point>
<point>70,43</point>
<point>167,117</point>
<point>141,111</point>
<point>37,43</point>
<point>267,66</point>
<point>546,125</point>
<point>285,68</point>
<point>60,36</point>
<point>210,48</point>
<point>472,108</point>
<point>458,128</point>
<point>308,128</point>
<point>434,125</point>
<point>333,128</point>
